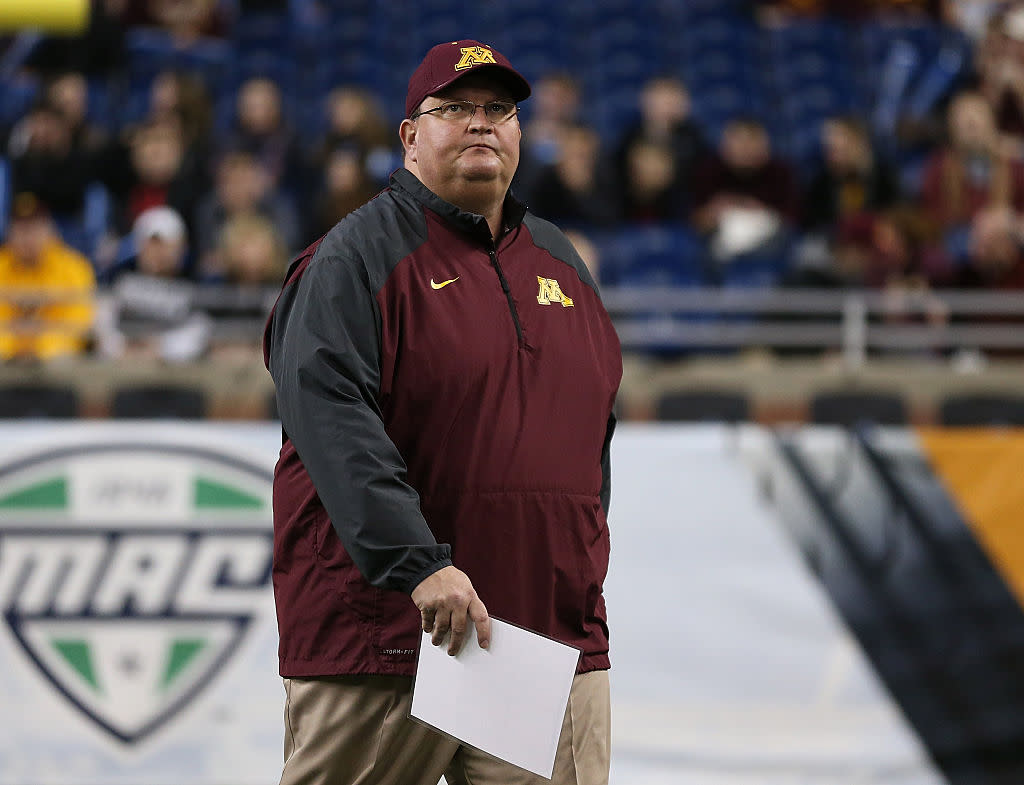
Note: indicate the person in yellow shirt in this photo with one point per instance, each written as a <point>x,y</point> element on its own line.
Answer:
<point>46,288</point>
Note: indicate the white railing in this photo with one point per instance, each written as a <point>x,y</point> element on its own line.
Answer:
<point>853,322</point>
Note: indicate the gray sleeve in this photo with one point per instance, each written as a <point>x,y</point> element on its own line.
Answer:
<point>325,360</point>
<point>606,464</point>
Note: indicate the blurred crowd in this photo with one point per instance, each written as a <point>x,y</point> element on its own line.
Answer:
<point>193,193</point>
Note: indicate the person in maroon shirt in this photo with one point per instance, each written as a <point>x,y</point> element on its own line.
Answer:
<point>972,171</point>
<point>445,374</point>
<point>744,176</point>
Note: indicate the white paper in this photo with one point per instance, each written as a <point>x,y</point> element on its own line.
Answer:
<point>508,700</point>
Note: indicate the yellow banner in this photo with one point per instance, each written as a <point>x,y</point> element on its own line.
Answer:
<point>52,16</point>
<point>983,468</point>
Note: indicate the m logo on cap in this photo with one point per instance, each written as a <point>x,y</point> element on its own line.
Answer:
<point>474,55</point>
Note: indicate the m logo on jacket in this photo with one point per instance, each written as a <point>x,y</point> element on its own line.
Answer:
<point>551,292</point>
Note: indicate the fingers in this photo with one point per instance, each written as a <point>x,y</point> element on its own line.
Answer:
<point>427,615</point>
<point>445,600</point>
<point>442,623</point>
<point>458,633</point>
<point>478,614</point>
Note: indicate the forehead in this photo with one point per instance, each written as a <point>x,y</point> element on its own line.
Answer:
<point>480,86</point>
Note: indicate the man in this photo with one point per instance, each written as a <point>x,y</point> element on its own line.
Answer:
<point>445,376</point>
<point>47,308</point>
<point>153,313</point>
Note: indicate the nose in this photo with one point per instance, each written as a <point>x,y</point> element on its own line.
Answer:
<point>479,118</point>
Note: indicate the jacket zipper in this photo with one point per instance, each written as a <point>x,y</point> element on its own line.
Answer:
<point>508,294</point>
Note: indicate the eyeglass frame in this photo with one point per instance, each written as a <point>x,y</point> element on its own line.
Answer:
<point>464,102</point>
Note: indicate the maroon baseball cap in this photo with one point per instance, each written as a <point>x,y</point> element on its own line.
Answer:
<point>447,63</point>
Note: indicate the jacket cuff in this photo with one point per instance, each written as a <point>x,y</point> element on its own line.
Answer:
<point>425,573</point>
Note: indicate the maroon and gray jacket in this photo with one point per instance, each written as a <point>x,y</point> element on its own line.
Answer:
<point>440,406</point>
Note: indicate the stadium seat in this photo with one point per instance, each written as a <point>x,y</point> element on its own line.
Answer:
<point>158,402</point>
<point>16,96</point>
<point>38,401</point>
<point>653,256</point>
<point>982,409</point>
<point>850,408</point>
<point>703,406</point>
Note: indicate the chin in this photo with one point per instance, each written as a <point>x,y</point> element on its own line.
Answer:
<point>481,173</point>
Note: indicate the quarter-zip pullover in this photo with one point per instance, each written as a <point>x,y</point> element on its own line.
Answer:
<point>446,398</point>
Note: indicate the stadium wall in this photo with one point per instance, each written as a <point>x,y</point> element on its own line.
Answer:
<point>787,606</point>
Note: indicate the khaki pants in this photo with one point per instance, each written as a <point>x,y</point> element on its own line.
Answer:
<point>356,730</point>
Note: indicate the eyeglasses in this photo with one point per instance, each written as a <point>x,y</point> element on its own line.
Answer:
<point>461,111</point>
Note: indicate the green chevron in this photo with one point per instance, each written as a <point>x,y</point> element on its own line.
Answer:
<point>47,495</point>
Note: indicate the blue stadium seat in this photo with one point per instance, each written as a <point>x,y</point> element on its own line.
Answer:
<point>722,33</point>
<point>758,269</point>
<point>149,52</point>
<point>262,31</point>
<point>16,96</point>
<point>809,35</point>
<point>208,59</point>
<point>652,256</point>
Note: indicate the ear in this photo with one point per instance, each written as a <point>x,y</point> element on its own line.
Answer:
<point>407,133</point>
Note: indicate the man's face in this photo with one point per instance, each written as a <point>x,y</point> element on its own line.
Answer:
<point>157,154</point>
<point>27,237</point>
<point>453,154</point>
<point>665,102</point>
<point>161,257</point>
<point>971,124</point>
<point>259,106</point>
<point>745,147</point>
<point>241,182</point>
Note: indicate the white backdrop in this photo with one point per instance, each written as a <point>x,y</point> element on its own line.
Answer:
<point>147,656</point>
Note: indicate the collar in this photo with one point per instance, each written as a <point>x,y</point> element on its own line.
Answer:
<point>405,181</point>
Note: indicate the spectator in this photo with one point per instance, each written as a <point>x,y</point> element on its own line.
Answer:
<point>971,172</point>
<point>345,187</point>
<point>99,51</point>
<point>260,128</point>
<point>254,253</point>
<point>851,10</point>
<point>354,120</point>
<point>554,107</point>
<point>995,259</point>
<point>664,127</point>
<point>68,93</point>
<point>45,162</point>
<point>158,246</point>
<point>744,197</point>
<point>186,21</point>
<point>999,66</point>
<point>850,181</point>
<point>651,189</point>
<point>150,171</point>
<point>47,310</point>
<point>152,314</point>
<point>884,250</point>
<point>588,251</point>
<point>973,18</point>
<point>242,186</point>
<point>181,97</point>
<point>574,191</point>
<point>254,259</point>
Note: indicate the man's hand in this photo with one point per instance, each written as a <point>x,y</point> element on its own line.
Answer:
<point>445,599</point>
